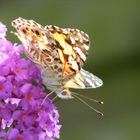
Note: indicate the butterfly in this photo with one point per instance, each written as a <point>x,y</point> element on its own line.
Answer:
<point>60,53</point>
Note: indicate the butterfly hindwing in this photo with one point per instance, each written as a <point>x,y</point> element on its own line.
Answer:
<point>83,80</point>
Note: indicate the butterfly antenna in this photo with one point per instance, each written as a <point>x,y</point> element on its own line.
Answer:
<point>81,100</point>
<point>90,99</point>
<point>55,99</point>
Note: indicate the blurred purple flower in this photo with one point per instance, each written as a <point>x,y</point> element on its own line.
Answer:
<point>22,117</point>
<point>3,30</point>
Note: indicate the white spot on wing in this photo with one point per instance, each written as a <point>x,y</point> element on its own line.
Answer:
<point>72,40</point>
<point>86,47</point>
<point>82,55</point>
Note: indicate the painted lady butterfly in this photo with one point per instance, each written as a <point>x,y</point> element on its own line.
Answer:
<point>60,53</point>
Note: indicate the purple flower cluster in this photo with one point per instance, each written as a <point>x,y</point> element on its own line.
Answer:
<point>22,114</point>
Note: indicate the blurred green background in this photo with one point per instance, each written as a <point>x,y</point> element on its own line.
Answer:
<point>114,30</point>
